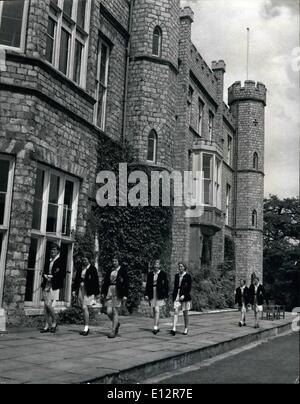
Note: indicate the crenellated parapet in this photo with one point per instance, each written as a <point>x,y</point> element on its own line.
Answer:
<point>218,65</point>
<point>187,12</point>
<point>251,91</point>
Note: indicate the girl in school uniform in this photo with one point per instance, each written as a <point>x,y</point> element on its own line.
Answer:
<point>157,291</point>
<point>182,297</point>
<point>256,298</point>
<point>114,292</point>
<point>86,288</point>
<point>242,300</point>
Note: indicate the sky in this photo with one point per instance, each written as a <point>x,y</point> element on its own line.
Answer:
<point>220,32</point>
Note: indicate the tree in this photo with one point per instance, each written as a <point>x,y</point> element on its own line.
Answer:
<point>282,250</point>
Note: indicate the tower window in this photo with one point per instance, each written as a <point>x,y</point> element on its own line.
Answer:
<point>157,42</point>
<point>255,161</point>
<point>254,219</point>
<point>152,147</point>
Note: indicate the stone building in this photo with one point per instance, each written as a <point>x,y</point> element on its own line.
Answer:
<point>72,72</point>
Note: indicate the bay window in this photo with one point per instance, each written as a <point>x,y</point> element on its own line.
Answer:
<point>54,219</point>
<point>210,167</point>
<point>6,183</point>
<point>13,18</point>
<point>67,38</point>
<point>217,183</point>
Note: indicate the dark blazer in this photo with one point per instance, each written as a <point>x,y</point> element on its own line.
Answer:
<point>91,281</point>
<point>238,296</point>
<point>122,283</point>
<point>162,286</point>
<point>58,272</point>
<point>260,294</point>
<point>185,288</point>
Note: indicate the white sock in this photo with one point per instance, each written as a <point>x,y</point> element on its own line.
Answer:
<point>186,330</point>
<point>175,322</point>
<point>155,327</point>
<point>86,328</point>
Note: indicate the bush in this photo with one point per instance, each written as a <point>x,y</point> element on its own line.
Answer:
<point>213,288</point>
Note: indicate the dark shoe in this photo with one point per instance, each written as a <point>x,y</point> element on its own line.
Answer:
<point>84,333</point>
<point>53,329</point>
<point>44,330</point>
<point>240,324</point>
<point>172,332</point>
<point>244,324</point>
<point>112,335</point>
<point>155,332</point>
<point>117,328</point>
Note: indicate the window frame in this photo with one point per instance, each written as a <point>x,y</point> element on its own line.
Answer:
<point>155,144</point>
<point>43,236</point>
<point>254,218</point>
<point>200,116</point>
<point>217,175</point>
<point>20,48</point>
<point>76,33</point>
<point>101,41</point>
<point>159,38</point>
<point>255,161</point>
<point>211,118</point>
<point>229,150</point>
<point>228,203</point>
<point>190,99</point>
<point>4,228</point>
<point>215,183</point>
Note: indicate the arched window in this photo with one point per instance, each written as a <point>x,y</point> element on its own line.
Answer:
<point>255,161</point>
<point>152,146</point>
<point>254,218</point>
<point>157,41</point>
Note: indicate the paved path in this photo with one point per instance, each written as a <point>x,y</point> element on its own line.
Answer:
<point>26,356</point>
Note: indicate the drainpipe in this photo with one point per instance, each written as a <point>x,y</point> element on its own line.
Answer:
<point>125,100</point>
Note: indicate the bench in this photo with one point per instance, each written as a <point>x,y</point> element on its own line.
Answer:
<point>273,311</point>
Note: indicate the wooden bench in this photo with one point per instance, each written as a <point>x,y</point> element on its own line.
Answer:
<point>273,312</point>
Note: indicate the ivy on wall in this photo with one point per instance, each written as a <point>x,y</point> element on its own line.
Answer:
<point>136,235</point>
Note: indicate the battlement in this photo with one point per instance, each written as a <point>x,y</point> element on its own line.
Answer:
<point>250,91</point>
<point>218,65</point>
<point>187,12</point>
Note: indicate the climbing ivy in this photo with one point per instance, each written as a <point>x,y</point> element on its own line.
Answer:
<point>137,235</point>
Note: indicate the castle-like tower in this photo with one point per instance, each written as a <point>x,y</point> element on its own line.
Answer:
<point>153,68</point>
<point>247,105</point>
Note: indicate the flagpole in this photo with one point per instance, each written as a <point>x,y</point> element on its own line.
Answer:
<point>248,51</point>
